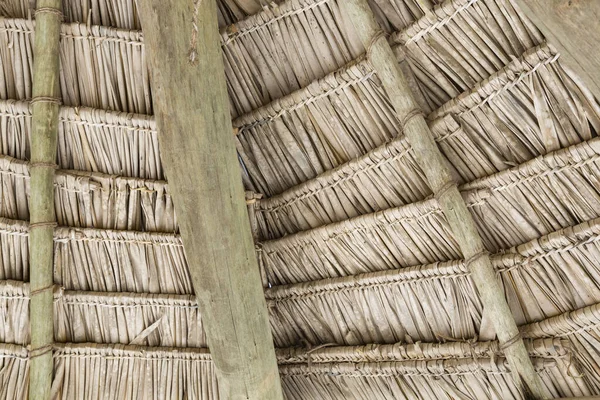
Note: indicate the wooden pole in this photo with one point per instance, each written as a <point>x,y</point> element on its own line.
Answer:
<point>191,105</point>
<point>573,27</point>
<point>45,109</point>
<point>438,173</point>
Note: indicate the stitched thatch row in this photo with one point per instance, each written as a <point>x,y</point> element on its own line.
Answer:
<point>100,67</point>
<point>439,379</point>
<point>156,373</point>
<point>277,51</point>
<point>441,371</point>
<point>14,312</point>
<point>545,194</point>
<point>543,278</point>
<point>88,140</point>
<point>14,250</point>
<point>89,199</point>
<point>14,378</point>
<point>359,369</point>
<point>120,261</point>
<point>132,372</point>
<point>281,59</point>
<point>101,260</point>
<point>331,122</point>
<point>125,318</point>
<point>293,139</point>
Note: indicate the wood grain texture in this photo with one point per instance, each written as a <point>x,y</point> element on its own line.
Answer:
<point>440,179</point>
<point>198,151</point>
<point>573,27</point>
<point>43,155</point>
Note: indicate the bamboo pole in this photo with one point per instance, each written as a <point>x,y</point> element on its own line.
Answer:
<point>45,108</point>
<point>444,187</point>
<point>191,105</point>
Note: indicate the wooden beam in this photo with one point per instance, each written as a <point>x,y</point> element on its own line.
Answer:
<point>435,166</point>
<point>45,109</point>
<point>191,105</point>
<point>573,27</point>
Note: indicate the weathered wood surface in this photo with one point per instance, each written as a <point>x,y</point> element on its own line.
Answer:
<point>444,187</point>
<point>573,27</point>
<point>198,151</point>
<point>45,109</point>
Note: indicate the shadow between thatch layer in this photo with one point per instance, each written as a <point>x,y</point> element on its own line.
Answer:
<point>100,67</point>
<point>90,199</point>
<point>431,371</point>
<point>550,192</point>
<point>543,278</point>
<point>89,139</point>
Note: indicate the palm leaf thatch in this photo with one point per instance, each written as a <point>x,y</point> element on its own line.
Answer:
<point>368,292</point>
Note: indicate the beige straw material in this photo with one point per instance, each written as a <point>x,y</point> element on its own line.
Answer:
<point>439,379</point>
<point>482,125</point>
<point>128,318</point>
<point>436,302</point>
<point>120,261</point>
<point>14,250</point>
<point>100,67</point>
<point>90,199</point>
<point>582,329</point>
<point>284,49</point>
<point>14,313</point>
<point>511,207</point>
<point>106,317</point>
<point>463,42</point>
<point>14,378</point>
<point>478,369</point>
<point>89,140</point>
<point>132,372</point>
<point>334,120</point>
<point>101,260</point>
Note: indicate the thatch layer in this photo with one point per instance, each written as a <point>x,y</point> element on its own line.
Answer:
<point>14,378</point>
<point>100,67</point>
<point>128,318</point>
<point>14,313</point>
<point>88,372</point>
<point>105,317</point>
<point>120,261</point>
<point>101,260</point>
<point>439,379</point>
<point>542,278</point>
<point>332,121</point>
<point>481,126</point>
<point>14,250</point>
<point>510,207</point>
<point>89,199</point>
<point>89,140</point>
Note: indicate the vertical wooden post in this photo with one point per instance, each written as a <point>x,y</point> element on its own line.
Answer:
<point>573,27</point>
<point>191,104</point>
<point>438,173</point>
<point>45,110</point>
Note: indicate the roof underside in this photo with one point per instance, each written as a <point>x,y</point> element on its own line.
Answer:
<point>367,292</point>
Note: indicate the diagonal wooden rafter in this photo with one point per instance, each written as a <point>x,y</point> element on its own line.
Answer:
<point>198,152</point>
<point>444,187</point>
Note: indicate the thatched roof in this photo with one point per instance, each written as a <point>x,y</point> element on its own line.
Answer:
<point>368,292</point>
